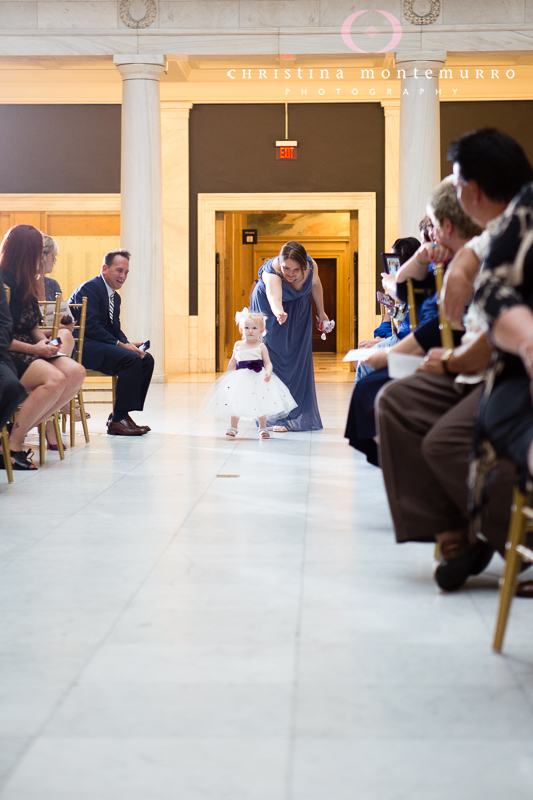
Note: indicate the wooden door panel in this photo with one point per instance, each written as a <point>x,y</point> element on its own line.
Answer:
<point>327,270</point>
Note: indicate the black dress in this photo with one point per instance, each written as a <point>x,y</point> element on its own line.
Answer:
<point>26,316</point>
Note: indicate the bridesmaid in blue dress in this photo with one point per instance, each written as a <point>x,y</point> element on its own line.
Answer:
<point>283,294</point>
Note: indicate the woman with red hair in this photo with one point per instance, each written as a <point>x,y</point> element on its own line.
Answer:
<point>51,378</point>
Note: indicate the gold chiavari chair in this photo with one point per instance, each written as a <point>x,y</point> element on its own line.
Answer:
<point>446,334</point>
<point>411,305</point>
<point>93,373</point>
<point>78,401</point>
<point>4,438</point>
<point>516,552</point>
<point>54,418</point>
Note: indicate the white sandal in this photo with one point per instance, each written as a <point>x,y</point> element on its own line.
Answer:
<point>263,433</point>
<point>231,433</point>
<point>280,429</point>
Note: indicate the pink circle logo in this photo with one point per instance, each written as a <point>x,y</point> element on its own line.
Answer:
<point>371,32</point>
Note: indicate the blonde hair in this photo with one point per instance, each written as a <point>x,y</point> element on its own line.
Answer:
<point>49,244</point>
<point>255,316</point>
<point>445,205</point>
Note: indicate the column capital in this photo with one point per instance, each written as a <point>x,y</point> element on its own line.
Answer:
<point>422,61</point>
<point>437,56</point>
<point>177,108</point>
<point>140,67</point>
<point>391,108</point>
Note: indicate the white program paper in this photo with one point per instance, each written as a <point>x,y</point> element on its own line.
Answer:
<point>362,353</point>
<point>401,365</point>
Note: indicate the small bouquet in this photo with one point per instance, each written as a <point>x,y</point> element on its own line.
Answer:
<point>326,326</point>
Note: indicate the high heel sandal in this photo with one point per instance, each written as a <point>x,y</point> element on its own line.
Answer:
<point>50,445</point>
<point>22,460</point>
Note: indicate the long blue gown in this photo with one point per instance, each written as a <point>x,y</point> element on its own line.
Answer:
<point>291,348</point>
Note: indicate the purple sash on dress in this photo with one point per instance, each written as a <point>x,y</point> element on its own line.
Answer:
<point>256,365</point>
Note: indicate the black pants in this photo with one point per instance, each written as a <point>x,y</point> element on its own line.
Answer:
<point>12,393</point>
<point>134,376</point>
<point>507,419</point>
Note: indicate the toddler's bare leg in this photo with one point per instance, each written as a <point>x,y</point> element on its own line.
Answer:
<point>235,422</point>
<point>262,421</point>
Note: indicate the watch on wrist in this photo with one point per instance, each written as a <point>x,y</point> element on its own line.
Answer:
<point>445,357</point>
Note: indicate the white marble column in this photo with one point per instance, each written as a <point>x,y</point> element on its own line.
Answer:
<point>419,137</point>
<point>175,158</point>
<point>391,109</point>
<point>141,229</point>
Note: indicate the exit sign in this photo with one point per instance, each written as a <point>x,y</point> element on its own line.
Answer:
<point>286,152</point>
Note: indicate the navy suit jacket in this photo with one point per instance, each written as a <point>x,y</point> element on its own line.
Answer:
<point>99,330</point>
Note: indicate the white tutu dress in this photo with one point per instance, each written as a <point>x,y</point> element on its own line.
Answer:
<point>244,393</point>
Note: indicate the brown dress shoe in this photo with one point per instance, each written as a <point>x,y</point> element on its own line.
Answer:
<point>524,589</point>
<point>123,428</point>
<point>143,428</point>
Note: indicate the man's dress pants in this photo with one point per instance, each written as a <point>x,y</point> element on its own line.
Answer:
<point>134,376</point>
<point>426,431</point>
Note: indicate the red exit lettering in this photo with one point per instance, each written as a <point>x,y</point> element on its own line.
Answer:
<point>285,152</point>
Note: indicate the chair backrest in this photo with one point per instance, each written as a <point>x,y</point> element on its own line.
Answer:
<point>80,325</point>
<point>411,305</point>
<point>44,305</point>
<point>446,335</point>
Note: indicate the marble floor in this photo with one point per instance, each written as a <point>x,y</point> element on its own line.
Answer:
<point>189,618</point>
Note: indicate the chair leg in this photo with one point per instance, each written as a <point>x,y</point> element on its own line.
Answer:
<point>7,458</point>
<point>114,389</point>
<point>57,428</point>
<point>42,443</point>
<point>63,422</point>
<point>81,404</point>
<point>72,415</point>
<point>517,530</point>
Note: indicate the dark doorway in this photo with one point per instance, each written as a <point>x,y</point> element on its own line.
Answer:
<point>327,269</point>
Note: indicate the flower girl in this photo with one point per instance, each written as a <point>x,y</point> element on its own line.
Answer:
<point>249,389</point>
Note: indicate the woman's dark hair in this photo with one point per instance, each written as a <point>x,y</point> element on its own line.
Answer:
<point>494,160</point>
<point>423,226</point>
<point>20,257</point>
<point>406,248</point>
<point>295,252</point>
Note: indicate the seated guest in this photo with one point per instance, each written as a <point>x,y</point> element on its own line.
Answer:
<point>12,392</point>
<point>47,287</point>
<point>106,347</point>
<point>42,367</point>
<point>452,228</point>
<point>386,335</point>
<point>504,295</point>
<point>426,422</point>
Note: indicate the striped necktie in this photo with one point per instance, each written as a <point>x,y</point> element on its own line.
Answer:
<point>111,306</point>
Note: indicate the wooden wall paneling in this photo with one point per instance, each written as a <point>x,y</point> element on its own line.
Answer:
<point>83,224</point>
<point>80,259</point>
<point>26,218</point>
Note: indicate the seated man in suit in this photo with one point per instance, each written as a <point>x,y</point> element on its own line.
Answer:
<point>12,393</point>
<point>107,349</point>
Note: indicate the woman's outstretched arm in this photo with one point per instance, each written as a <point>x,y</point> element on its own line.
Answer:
<point>274,293</point>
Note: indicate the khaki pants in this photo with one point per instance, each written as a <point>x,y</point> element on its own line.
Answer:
<point>426,431</point>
